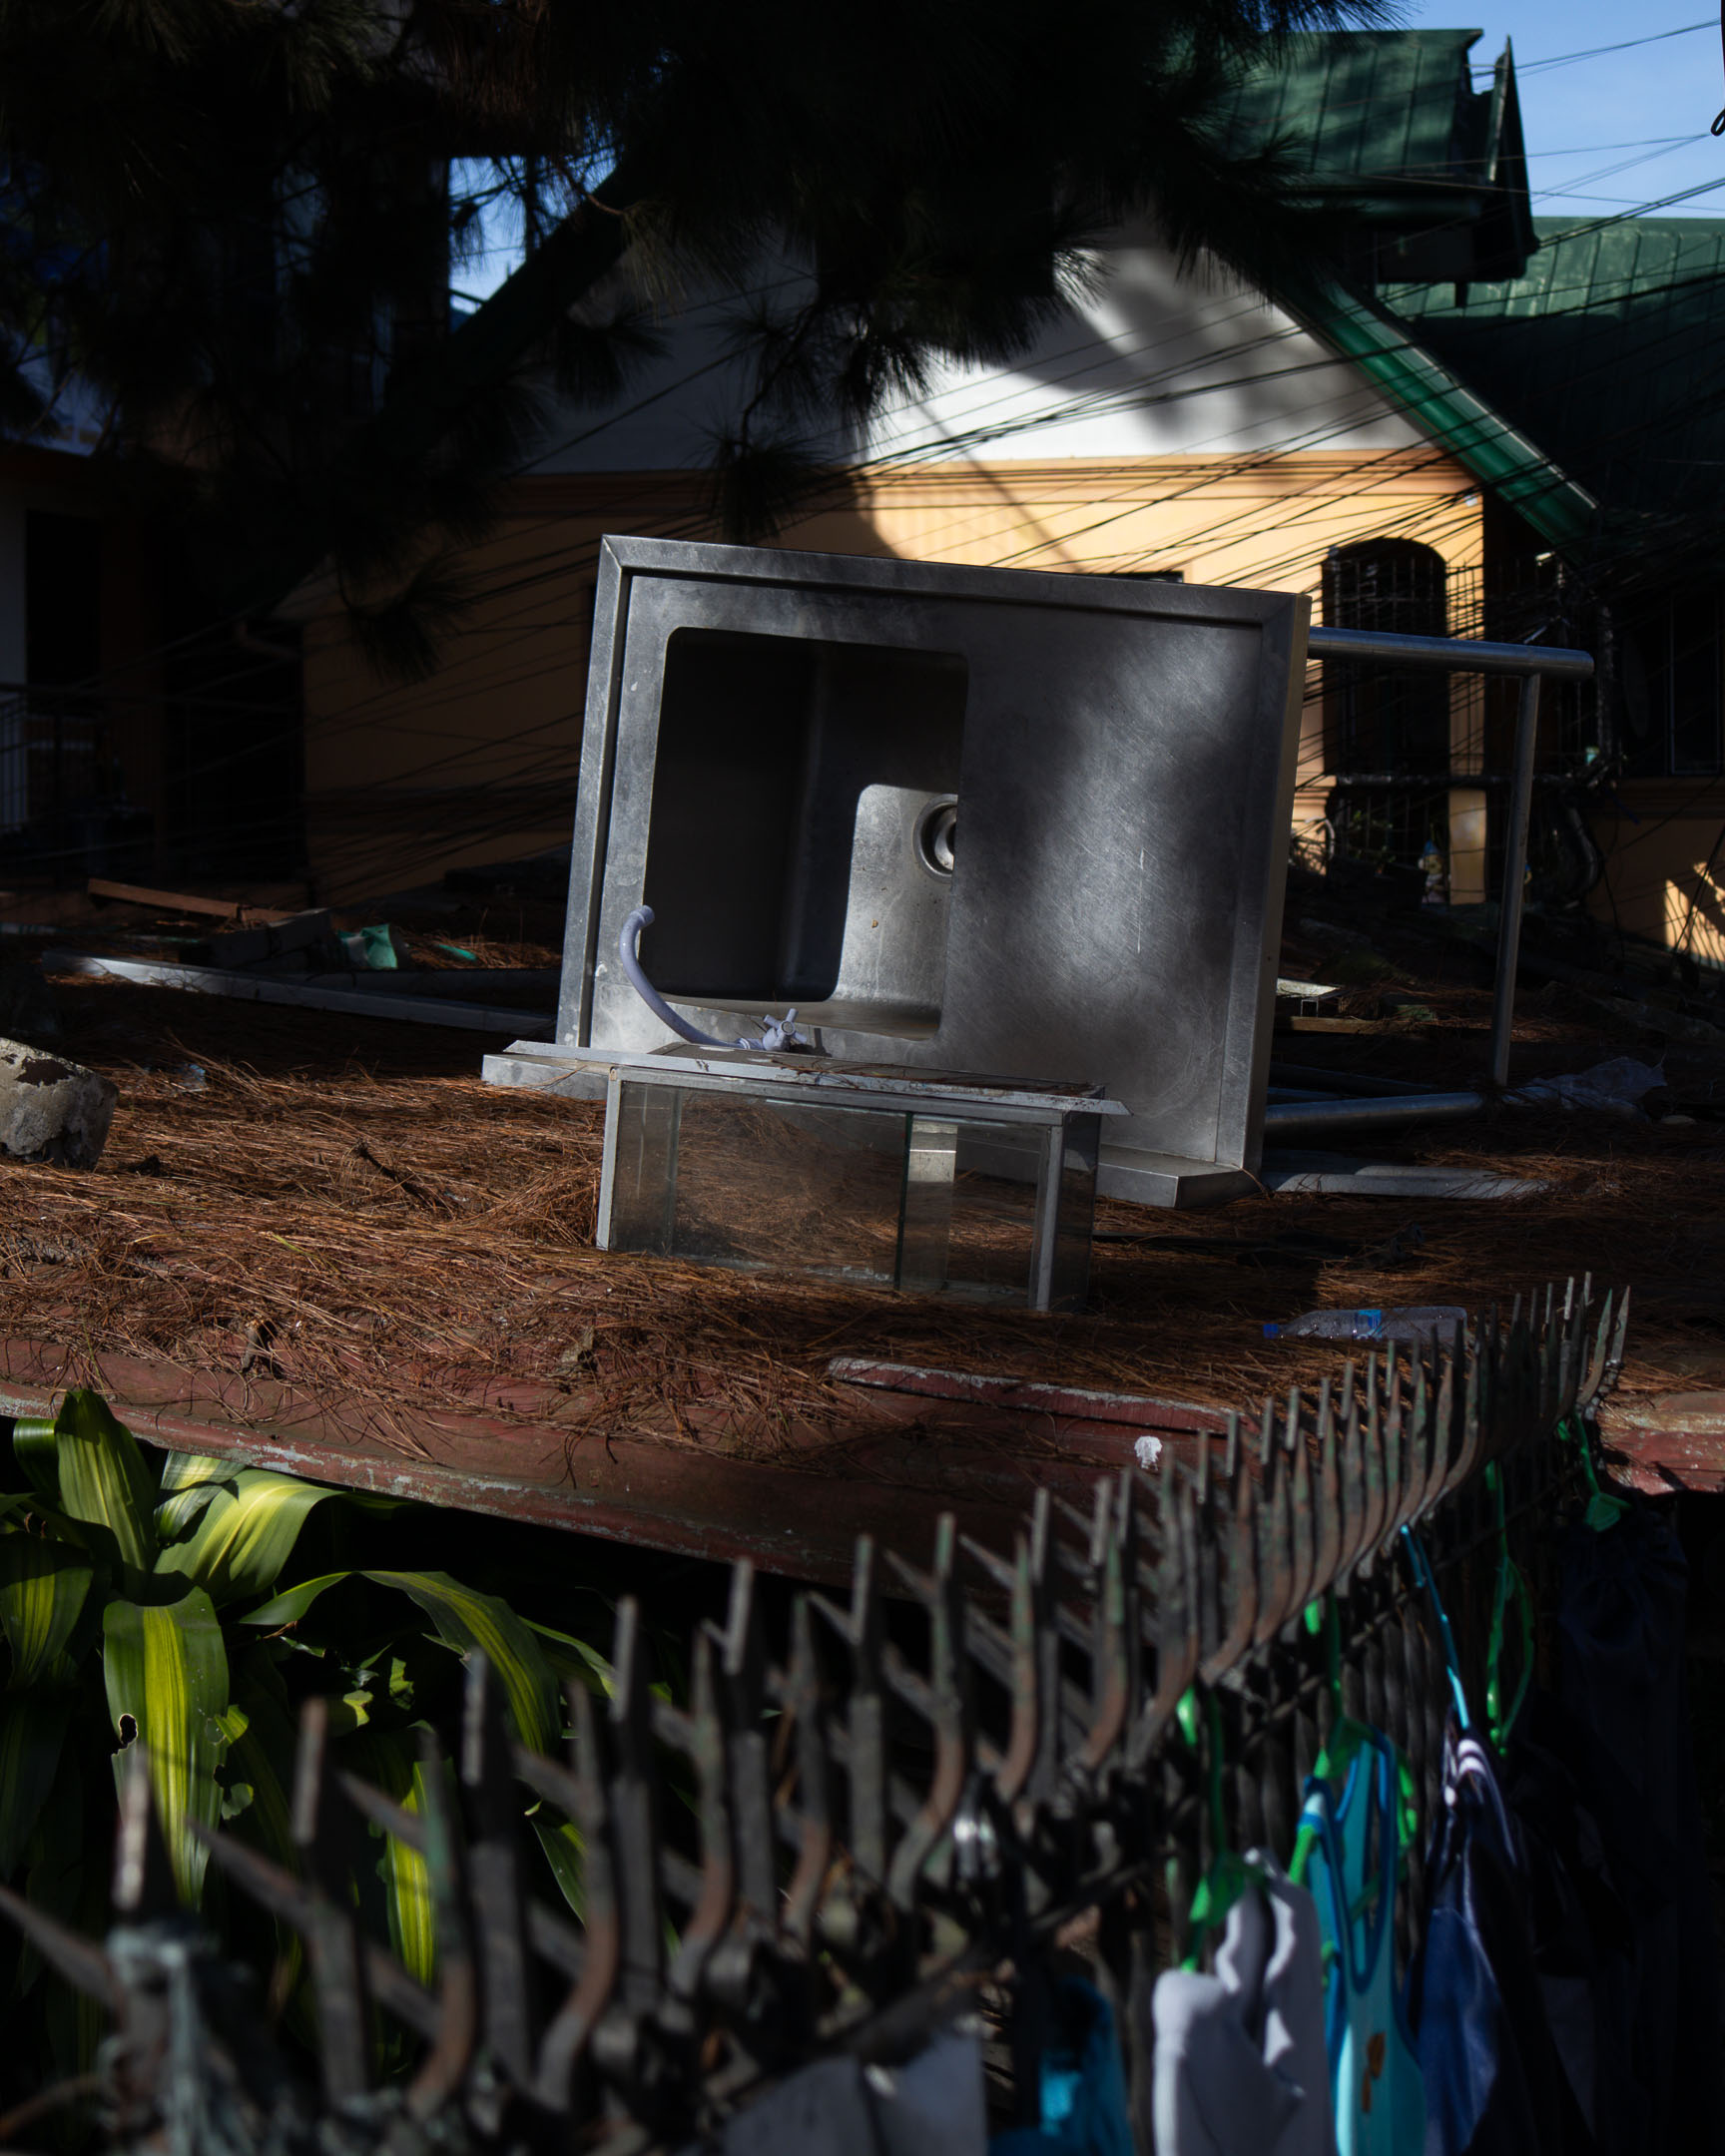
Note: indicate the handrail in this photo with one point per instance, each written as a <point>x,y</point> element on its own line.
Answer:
<point>1457,654</point>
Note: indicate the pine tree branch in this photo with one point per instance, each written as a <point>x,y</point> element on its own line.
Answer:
<point>428,402</point>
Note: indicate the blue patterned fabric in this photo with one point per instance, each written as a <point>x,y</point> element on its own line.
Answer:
<point>1354,1826</point>
<point>1083,2084</point>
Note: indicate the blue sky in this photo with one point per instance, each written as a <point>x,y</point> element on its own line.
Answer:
<point>1608,132</point>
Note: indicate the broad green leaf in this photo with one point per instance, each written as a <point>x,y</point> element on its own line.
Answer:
<point>352,1711</point>
<point>192,1471</point>
<point>235,1722</point>
<point>390,1760</point>
<point>32,1736</point>
<point>15,1506</point>
<point>262,1755</point>
<point>103,1478</point>
<point>289,1607</point>
<point>407,1884</point>
<point>246,1535</point>
<point>191,1482</point>
<point>467,1620</point>
<point>36,1447</point>
<point>560,1838</point>
<point>41,1591</point>
<point>561,1841</point>
<point>571,1657</point>
<point>464,1619</point>
<point>166,1674</point>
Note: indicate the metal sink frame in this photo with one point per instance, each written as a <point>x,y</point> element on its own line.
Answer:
<point>980,819</point>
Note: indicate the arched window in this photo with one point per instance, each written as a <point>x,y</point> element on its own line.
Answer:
<point>1379,721</point>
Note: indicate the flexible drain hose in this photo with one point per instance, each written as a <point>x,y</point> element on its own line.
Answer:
<point>776,1033</point>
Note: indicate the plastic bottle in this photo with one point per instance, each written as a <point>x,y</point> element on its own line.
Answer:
<point>1416,1323</point>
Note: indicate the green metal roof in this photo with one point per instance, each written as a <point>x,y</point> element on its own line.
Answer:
<point>1497,452</point>
<point>1428,172</point>
<point>1372,107</point>
<point>1607,350</point>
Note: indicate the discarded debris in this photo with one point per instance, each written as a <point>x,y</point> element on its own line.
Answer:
<point>279,938</point>
<point>1301,1174</point>
<point>373,949</point>
<point>1417,1323</point>
<point>1616,1088</point>
<point>52,1110</point>
<point>1310,996</point>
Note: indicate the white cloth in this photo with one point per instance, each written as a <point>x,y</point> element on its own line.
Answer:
<point>1240,2062</point>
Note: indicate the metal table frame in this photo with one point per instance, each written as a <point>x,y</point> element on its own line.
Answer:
<point>1462,655</point>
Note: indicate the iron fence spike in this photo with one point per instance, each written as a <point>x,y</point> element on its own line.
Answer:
<point>442,2069</point>
<point>507,1979</point>
<point>332,1934</point>
<point>815,1814</point>
<point>142,1878</point>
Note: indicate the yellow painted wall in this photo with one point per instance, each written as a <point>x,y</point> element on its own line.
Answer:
<point>1666,864</point>
<point>480,762</point>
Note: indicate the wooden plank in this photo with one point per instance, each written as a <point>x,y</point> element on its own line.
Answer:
<point>290,989</point>
<point>1058,1403</point>
<point>1407,1030</point>
<point>162,901</point>
<point>892,1476</point>
<point>1674,1443</point>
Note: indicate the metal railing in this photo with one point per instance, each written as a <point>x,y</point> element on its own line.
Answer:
<point>1533,664</point>
<point>891,1812</point>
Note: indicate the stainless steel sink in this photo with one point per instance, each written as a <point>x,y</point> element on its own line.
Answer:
<point>971,819</point>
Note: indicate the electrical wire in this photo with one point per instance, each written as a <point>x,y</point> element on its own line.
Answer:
<point>562,556</point>
<point>1598,52</point>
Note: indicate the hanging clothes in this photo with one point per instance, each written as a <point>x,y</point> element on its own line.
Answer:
<point>1082,2090</point>
<point>1351,1841</point>
<point>1495,2085</point>
<point>934,2106</point>
<point>1621,1680</point>
<point>1240,2056</point>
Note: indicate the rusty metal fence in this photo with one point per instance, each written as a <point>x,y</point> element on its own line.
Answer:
<point>892,1810</point>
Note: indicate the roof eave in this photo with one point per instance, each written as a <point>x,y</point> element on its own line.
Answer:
<point>1481,439</point>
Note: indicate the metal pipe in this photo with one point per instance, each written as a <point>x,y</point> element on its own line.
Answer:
<point>1514,879</point>
<point>1457,654</point>
<point>1280,1117</point>
<point>1368,1085</point>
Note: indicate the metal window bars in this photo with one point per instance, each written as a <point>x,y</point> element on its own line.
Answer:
<point>894,1811</point>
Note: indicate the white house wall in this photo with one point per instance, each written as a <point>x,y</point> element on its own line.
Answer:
<point>1154,365</point>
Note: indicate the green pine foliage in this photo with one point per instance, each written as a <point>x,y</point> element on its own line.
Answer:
<point>235,221</point>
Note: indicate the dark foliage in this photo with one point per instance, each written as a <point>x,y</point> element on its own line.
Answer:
<point>232,224</point>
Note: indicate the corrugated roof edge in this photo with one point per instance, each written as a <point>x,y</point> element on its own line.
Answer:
<point>1481,439</point>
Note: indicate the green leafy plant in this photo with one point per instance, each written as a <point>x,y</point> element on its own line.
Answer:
<point>144,1606</point>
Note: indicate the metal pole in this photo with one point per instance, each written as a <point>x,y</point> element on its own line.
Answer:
<point>1514,877</point>
<point>1282,1117</point>
<point>1457,655</point>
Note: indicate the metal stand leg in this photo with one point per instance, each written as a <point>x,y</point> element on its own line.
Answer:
<point>1514,876</point>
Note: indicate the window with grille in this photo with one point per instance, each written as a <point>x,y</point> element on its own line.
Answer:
<point>1379,720</point>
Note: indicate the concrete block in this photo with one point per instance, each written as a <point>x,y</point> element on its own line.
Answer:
<point>52,1110</point>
